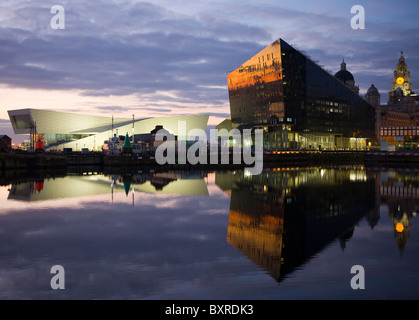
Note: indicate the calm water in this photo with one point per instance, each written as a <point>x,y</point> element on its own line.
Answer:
<point>284,234</point>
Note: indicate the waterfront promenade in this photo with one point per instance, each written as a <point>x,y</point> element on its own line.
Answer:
<point>46,160</point>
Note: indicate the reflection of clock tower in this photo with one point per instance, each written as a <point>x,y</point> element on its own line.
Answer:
<point>401,79</point>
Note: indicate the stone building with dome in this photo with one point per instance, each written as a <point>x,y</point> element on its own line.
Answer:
<point>346,77</point>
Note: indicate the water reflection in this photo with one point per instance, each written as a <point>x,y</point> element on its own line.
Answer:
<point>282,218</point>
<point>222,235</point>
<point>73,186</point>
<point>399,191</point>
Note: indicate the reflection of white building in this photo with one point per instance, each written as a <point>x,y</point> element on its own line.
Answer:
<point>92,185</point>
<point>71,130</point>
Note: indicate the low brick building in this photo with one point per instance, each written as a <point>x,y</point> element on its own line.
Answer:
<point>5,143</point>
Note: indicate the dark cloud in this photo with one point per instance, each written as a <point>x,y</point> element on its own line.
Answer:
<point>121,49</point>
<point>122,109</point>
<point>125,47</point>
<point>219,114</point>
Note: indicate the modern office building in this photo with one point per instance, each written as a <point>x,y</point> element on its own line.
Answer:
<point>61,130</point>
<point>298,104</point>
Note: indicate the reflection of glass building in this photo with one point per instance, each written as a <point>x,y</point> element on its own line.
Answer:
<point>70,130</point>
<point>297,103</point>
<point>280,219</point>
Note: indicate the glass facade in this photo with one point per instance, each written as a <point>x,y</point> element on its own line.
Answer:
<point>256,88</point>
<point>52,139</point>
<point>297,103</point>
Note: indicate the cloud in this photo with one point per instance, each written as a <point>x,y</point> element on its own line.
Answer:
<point>180,55</point>
<point>133,108</point>
<point>141,49</point>
<point>219,114</point>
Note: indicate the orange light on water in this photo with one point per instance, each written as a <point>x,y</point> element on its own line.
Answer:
<point>399,227</point>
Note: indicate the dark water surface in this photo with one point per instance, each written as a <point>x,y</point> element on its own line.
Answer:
<point>284,234</point>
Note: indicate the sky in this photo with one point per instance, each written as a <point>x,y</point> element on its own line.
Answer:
<point>163,58</point>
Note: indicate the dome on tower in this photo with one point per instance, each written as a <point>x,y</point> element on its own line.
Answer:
<point>343,74</point>
<point>372,90</point>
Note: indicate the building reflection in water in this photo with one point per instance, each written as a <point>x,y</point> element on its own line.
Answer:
<point>72,186</point>
<point>399,192</point>
<point>283,217</point>
<point>280,218</point>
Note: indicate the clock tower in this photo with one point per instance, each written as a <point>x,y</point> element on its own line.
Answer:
<point>401,77</point>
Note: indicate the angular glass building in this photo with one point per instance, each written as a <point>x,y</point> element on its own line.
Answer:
<point>297,103</point>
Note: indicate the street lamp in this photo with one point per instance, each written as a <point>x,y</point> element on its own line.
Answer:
<point>132,128</point>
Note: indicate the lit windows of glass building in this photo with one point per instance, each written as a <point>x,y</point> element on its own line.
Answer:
<point>297,103</point>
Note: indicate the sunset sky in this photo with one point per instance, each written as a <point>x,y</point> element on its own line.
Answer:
<point>164,57</point>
